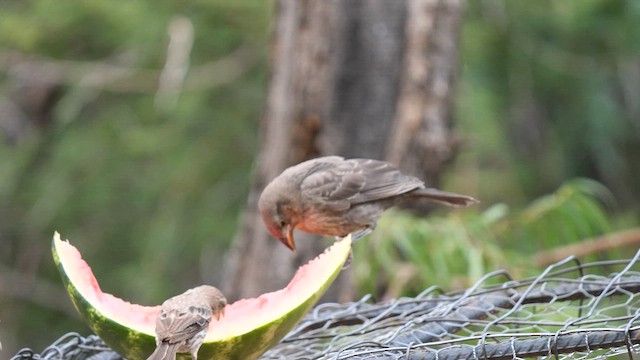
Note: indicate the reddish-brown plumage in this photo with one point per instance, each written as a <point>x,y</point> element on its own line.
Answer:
<point>333,196</point>
<point>184,320</point>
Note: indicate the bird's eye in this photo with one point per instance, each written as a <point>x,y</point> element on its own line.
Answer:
<point>283,224</point>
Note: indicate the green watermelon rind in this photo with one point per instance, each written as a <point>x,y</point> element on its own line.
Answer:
<point>135,345</point>
<point>130,343</point>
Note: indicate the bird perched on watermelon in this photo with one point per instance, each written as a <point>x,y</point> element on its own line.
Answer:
<point>184,319</point>
<point>334,196</point>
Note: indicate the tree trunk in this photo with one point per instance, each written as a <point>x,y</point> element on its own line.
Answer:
<point>345,75</point>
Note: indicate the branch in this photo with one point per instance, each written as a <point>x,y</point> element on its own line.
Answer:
<point>127,79</point>
<point>176,65</point>
<point>629,237</point>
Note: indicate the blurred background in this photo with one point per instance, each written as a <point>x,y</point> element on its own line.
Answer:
<point>142,156</point>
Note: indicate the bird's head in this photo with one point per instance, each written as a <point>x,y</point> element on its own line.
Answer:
<point>275,209</point>
<point>216,299</point>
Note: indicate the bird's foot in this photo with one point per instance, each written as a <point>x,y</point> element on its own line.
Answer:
<point>347,263</point>
<point>355,236</point>
<point>362,233</point>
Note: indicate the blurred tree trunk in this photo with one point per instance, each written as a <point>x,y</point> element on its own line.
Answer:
<point>366,78</point>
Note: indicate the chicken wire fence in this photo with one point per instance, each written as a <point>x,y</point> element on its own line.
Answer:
<point>568,311</point>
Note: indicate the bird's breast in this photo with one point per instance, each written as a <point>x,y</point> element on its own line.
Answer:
<point>328,223</point>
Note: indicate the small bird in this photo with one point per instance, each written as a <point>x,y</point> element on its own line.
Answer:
<point>333,196</point>
<point>184,319</point>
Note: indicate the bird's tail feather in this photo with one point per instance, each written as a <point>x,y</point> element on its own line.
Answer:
<point>164,351</point>
<point>447,198</point>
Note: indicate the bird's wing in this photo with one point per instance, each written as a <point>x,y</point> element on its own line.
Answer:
<point>341,183</point>
<point>334,181</point>
<point>383,180</point>
<point>176,325</point>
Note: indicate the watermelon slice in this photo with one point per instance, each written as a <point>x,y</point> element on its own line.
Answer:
<point>249,328</point>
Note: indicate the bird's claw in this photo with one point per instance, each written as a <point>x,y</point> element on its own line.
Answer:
<point>354,237</point>
<point>347,263</point>
<point>362,233</point>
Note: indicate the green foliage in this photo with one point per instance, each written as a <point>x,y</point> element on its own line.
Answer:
<point>548,94</point>
<point>99,28</point>
<point>406,254</point>
<point>150,195</point>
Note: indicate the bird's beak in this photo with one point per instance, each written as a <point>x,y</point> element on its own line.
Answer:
<point>287,239</point>
<point>219,314</point>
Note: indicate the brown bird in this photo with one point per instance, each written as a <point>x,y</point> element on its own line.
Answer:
<point>332,196</point>
<point>183,321</point>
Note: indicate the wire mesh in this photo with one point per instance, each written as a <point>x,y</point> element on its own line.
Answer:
<point>568,311</point>
<point>71,346</point>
